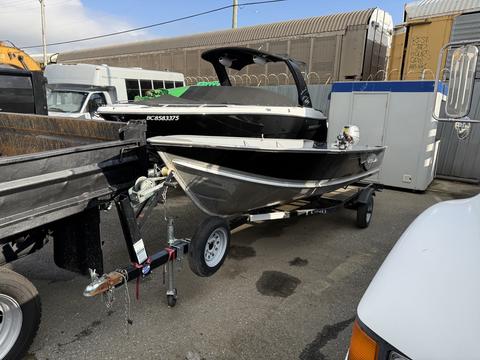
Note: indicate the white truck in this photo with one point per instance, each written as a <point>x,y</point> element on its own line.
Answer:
<point>423,303</point>
<point>78,90</point>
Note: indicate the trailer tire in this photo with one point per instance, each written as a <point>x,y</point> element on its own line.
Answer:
<point>21,296</point>
<point>365,213</point>
<point>209,246</point>
<point>171,300</point>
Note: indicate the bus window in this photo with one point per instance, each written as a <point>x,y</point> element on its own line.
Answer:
<point>168,84</point>
<point>145,85</point>
<point>132,89</point>
<point>158,84</point>
<point>178,84</point>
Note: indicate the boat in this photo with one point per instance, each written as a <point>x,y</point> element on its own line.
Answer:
<point>228,110</point>
<point>228,176</point>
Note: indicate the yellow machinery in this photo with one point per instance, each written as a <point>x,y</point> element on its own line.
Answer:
<point>11,55</point>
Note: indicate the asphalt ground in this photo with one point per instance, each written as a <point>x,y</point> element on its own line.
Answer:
<point>288,290</point>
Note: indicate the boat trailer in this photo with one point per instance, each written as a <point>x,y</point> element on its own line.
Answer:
<point>208,247</point>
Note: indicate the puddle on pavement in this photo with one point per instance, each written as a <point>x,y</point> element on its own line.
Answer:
<point>298,262</point>
<point>276,283</point>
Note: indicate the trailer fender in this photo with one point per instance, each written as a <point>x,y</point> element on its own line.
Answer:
<point>365,195</point>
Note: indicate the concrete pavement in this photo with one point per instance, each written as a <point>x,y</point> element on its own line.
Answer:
<point>288,290</point>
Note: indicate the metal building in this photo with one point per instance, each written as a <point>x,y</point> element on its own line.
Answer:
<point>347,46</point>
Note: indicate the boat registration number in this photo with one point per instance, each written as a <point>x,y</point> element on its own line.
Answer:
<point>164,117</point>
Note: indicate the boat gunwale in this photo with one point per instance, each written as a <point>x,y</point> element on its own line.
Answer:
<point>162,109</point>
<point>356,150</point>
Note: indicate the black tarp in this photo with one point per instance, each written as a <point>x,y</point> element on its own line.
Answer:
<point>223,95</point>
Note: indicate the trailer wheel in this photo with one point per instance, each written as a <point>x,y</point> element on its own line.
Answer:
<point>364,213</point>
<point>171,300</point>
<point>20,312</point>
<point>209,246</point>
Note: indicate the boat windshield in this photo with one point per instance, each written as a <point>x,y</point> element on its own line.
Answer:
<point>66,101</point>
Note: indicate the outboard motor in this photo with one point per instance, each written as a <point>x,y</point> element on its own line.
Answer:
<point>350,136</point>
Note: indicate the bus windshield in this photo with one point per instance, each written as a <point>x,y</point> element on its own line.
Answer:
<point>66,101</point>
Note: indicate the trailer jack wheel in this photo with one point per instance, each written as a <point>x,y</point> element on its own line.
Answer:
<point>209,246</point>
<point>172,298</point>
<point>365,213</point>
<point>20,312</point>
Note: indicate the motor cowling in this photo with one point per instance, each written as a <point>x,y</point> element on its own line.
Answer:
<point>349,136</point>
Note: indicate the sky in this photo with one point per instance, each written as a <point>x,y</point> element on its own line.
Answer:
<point>72,19</point>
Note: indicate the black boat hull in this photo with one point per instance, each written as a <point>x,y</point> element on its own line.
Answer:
<point>240,125</point>
<point>232,181</point>
<point>292,166</point>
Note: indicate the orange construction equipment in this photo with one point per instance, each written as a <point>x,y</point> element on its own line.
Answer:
<point>13,56</point>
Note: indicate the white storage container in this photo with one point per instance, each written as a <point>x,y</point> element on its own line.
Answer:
<point>397,114</point>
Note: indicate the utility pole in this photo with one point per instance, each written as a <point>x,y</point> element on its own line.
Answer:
<point>44,36</point>
<point>235,14</point>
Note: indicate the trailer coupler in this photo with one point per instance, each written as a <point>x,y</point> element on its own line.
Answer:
<point>170,256</point>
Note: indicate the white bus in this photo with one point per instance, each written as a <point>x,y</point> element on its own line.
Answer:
<point>78,90</point>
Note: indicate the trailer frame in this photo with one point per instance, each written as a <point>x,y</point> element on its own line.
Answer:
<point>142,263</point>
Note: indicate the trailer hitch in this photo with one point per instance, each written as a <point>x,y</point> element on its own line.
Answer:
<point>102,284</point>
<point>133,210</point>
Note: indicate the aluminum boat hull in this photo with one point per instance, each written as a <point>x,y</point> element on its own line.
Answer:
<point>225,191</point>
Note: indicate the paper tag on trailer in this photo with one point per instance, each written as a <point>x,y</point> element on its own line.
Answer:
<point>140,251</point>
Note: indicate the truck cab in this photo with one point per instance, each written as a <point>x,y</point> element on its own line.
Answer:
<point>78,101</point>
<point>78,90</point>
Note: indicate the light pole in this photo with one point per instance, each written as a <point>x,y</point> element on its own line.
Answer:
<point>235,14</point>
<point>44,36</point>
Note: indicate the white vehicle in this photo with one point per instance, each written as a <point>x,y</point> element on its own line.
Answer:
<point>79,90</point>
<point>423,303</point>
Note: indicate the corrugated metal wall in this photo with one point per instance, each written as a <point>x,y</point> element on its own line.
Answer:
<point>467,27</point>
<point>330,57</point>
<point>334,47</point>
<point>249,34</point>
<point>424,8</point>
<point>461,158</point>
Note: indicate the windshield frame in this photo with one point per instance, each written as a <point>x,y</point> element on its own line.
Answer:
<point>57,108</point>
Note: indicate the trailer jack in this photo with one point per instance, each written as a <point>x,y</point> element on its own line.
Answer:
<point>133,209</point>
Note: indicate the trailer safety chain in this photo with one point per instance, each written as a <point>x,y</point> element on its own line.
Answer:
<point>108,297</point>
<point>128,318</point>
<point>165,204</point>
<point>164,194</point>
